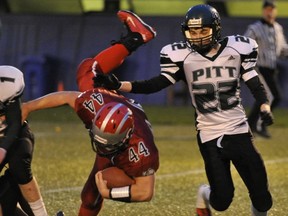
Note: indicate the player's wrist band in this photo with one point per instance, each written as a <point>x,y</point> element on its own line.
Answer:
<point>122,194</point>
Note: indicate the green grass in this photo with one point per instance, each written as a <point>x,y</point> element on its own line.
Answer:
<point>63,159</point>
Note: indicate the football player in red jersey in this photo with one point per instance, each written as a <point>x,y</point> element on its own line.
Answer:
<point>212,67</point>
<point>132,150</point>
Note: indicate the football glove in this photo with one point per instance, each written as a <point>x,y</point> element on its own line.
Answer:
<point>267,118</point>
<point>108,81</point>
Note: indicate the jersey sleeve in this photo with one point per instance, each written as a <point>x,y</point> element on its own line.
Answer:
<point>248,50</point>
<point>86,107</point>
<point>172,57</point>
<point>281,40</point>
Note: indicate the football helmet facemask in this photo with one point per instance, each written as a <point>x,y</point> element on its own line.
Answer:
<point>201,16</point>
<point>111,129</point>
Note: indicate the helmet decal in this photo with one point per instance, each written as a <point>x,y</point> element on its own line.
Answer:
<point>194,23</point>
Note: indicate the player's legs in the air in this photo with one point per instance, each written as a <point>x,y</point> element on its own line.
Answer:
<point>138,34</point>
<point>135,24</point>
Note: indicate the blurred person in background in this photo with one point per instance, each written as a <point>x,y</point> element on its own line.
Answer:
<point>212,67</point>
<point>272,45</point>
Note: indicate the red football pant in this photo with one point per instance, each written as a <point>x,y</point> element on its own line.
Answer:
<point>104,62</point>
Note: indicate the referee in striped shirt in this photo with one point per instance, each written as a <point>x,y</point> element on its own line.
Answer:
<point>272,44</point>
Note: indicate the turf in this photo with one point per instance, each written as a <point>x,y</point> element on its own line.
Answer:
<point>63,159</point>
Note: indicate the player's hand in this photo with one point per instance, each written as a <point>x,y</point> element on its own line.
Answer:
<point>267,118</point>
<point>108,81</point>
<point>2,154</point>
<point>266,114</point>
<point>102,185</point>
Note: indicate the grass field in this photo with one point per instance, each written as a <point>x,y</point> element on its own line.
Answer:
<point>63,159</point>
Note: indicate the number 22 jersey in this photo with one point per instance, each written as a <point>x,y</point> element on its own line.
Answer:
<point>214,82</point>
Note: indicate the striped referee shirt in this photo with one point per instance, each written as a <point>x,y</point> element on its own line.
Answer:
<point>271,41</point>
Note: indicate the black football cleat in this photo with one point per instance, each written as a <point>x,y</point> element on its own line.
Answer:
<point>60,213</point>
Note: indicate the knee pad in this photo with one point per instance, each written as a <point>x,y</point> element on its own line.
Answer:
<point>263,202</point>
<point>221,202</point>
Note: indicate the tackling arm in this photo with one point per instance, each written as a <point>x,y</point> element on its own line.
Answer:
<point>152,85</point>
<point>49,101</point>
<point>13,123</point>
<point>149,86</point>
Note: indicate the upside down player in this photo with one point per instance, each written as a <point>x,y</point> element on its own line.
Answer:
<point>213,67</point>
<point>132,149</point>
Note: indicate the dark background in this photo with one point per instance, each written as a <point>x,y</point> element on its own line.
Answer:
<point>48,49</point>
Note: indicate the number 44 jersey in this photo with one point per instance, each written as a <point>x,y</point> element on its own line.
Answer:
<point>214,82</point>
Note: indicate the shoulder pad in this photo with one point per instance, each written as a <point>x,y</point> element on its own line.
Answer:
<point>176,51</point>
<point>11,82</point>
<point>243,45</point>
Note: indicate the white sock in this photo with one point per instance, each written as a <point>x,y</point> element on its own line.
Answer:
<point>255,212</point>
<point>206,196</point>
<point>203,196</point>
<point>38,208</point>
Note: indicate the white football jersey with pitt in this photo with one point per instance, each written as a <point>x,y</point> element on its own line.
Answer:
<point>214,82</point>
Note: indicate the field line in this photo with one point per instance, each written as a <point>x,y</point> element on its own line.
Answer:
<point>162,176</point>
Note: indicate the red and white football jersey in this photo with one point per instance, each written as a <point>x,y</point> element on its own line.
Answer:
<point>141,157</point>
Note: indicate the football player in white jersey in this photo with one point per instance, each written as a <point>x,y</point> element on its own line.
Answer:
<point>213,67</point>
<point>16,150</point>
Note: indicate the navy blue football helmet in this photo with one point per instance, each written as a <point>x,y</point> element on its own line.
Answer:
<point>200,16</point>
